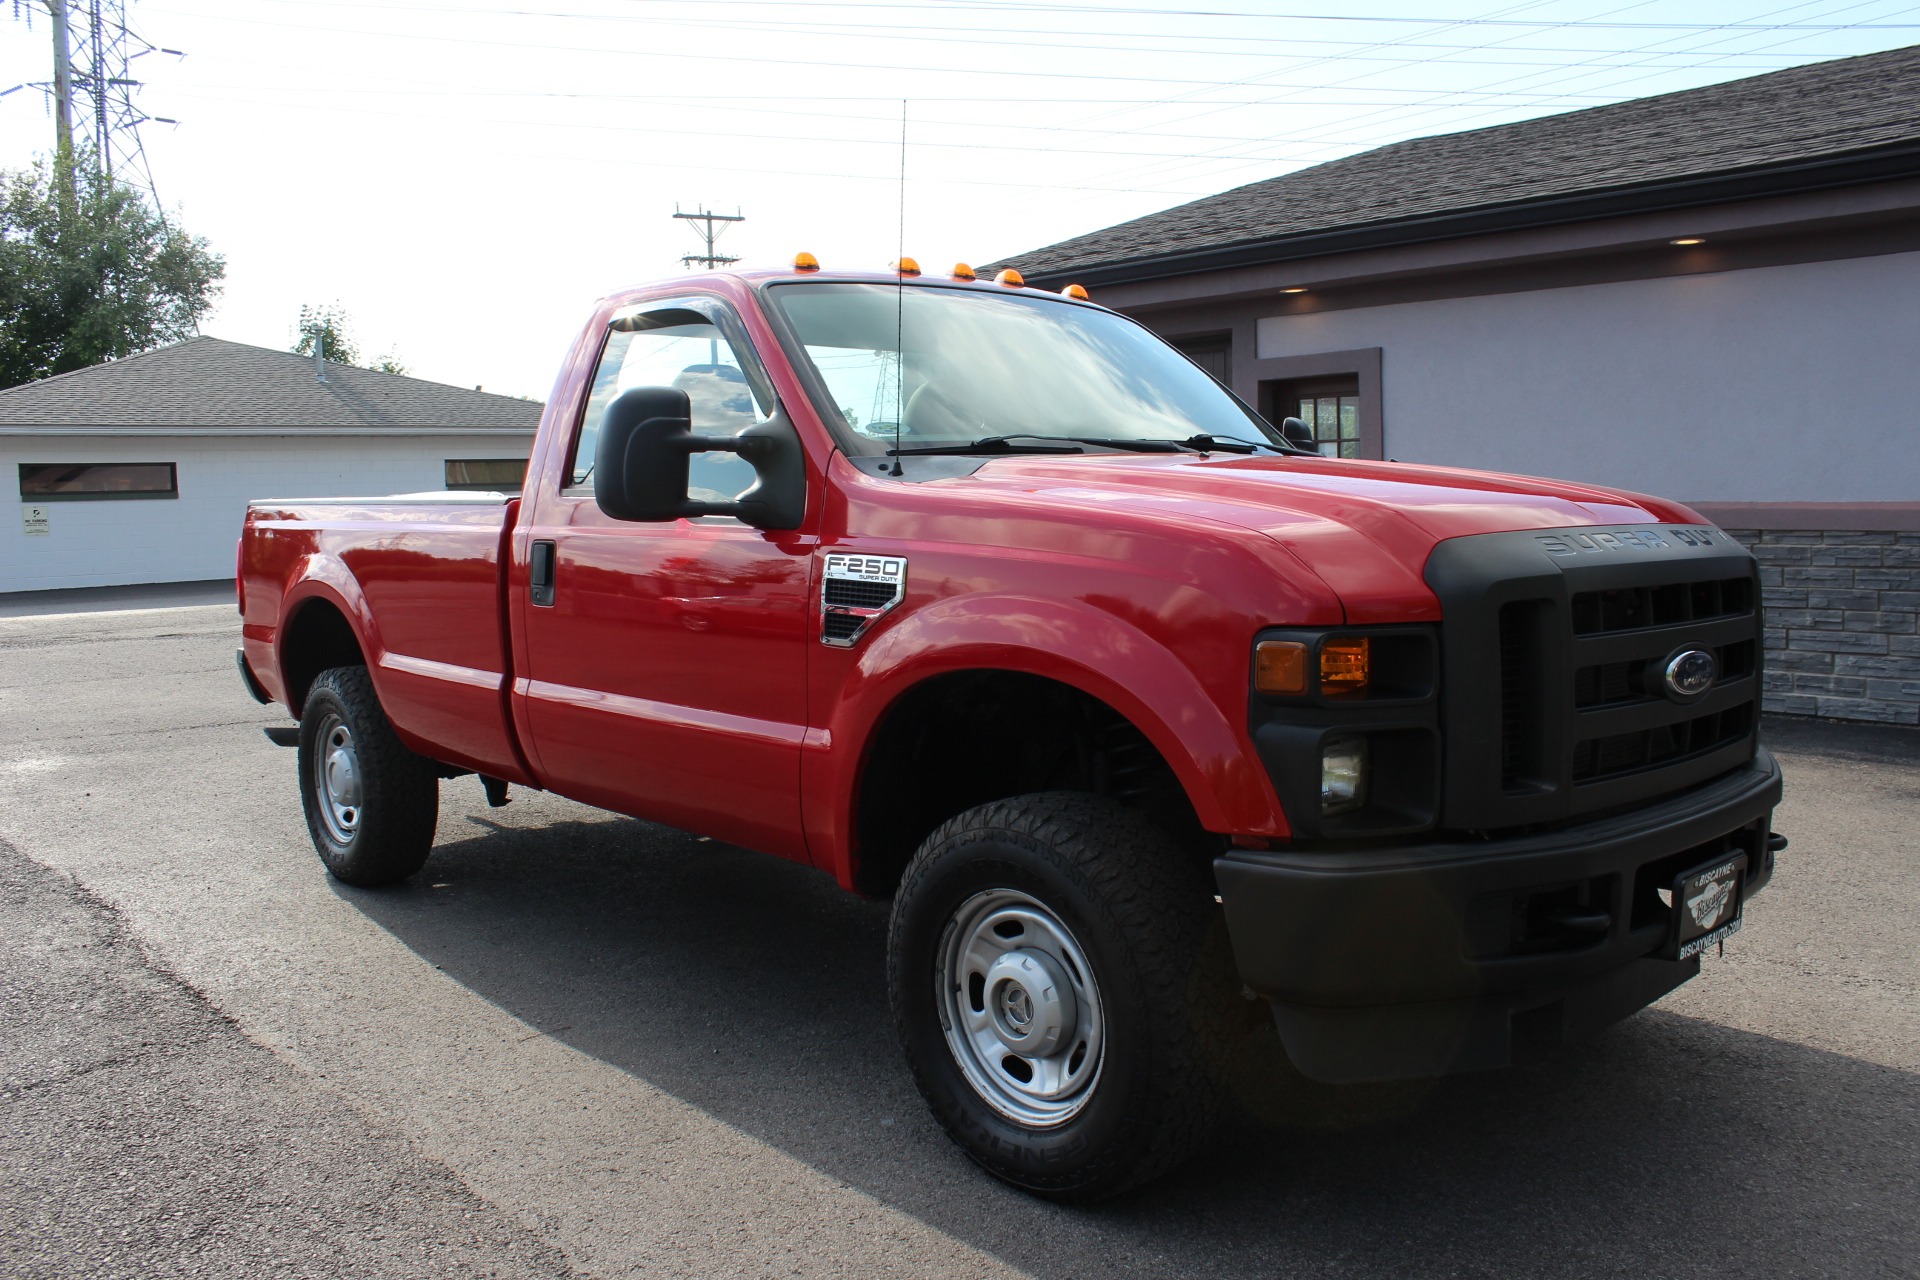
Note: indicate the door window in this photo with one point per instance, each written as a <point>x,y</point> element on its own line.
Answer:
<point>683,349</point>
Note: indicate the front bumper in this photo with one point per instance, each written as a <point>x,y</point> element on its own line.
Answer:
<point>1419,960</point>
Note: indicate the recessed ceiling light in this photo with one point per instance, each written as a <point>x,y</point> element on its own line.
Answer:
<point>1688,240</point>
<point>1298,288</point>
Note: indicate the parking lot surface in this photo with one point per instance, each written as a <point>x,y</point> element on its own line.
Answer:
<point>585,1043</point>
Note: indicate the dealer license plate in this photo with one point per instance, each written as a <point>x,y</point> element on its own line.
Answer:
<point>1706,905</point>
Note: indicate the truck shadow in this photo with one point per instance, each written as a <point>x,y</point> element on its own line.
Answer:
<point>753,989</point>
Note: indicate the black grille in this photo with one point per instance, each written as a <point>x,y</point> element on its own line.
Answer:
<point>1612,684</point>
<point>840,626</point>
<point>1631,608</point>
<point>1555,647</point>
<point>1521,675</point>
<point>859,595</point>
<point>1623,753</point>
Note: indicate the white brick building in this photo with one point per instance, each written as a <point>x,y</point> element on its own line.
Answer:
<point>139,471</point>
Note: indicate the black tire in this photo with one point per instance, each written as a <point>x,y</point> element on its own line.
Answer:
<point>387,834</point>
<point>1142,913</point>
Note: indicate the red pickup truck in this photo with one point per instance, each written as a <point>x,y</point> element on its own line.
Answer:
<point>1144,713</point>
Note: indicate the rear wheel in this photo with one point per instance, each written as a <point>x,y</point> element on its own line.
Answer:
<point>371,804</point>
<point>1061,985</point>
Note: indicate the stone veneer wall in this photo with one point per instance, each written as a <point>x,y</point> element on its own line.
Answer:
<point>1841,612</point>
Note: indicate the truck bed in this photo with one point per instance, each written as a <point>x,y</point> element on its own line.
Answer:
<point>419,578</point>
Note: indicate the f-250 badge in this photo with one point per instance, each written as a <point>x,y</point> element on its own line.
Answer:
<point>854,592</point>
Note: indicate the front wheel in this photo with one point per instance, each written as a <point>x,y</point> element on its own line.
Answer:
<point>371,803</point>
<point>1061,985</point>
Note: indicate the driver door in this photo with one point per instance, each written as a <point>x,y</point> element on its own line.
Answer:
<point>666,674</point>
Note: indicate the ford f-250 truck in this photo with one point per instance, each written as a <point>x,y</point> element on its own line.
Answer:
<point>1145,716</point>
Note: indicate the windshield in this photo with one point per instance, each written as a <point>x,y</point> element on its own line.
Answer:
<point>949,366</point>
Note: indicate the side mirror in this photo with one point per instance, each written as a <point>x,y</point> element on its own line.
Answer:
<point>640,463</point>
<point>1299,435</point>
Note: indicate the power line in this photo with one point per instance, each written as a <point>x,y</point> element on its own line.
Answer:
<point>1242,15</point>
<point>1000,37</point>
<point>1236,15</point>
<point>1401,114</point>
<point>677,131</point>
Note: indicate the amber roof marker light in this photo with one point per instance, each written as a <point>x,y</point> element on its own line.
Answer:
<point>961,271</point>
<point>1078,291</point>
<point>805,263</point>
<point>907,267</point>
<point>1011,278</point>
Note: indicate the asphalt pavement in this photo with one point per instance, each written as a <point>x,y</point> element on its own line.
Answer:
<point>582,1043</point>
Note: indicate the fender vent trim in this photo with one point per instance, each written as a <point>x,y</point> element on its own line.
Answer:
<point>855,592</point>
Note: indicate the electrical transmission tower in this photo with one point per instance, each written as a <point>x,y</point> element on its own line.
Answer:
<point>709,232</point>
<point>92,89</point>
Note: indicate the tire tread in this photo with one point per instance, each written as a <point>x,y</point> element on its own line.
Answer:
<point>401,806</point>
<point>1160,902</point>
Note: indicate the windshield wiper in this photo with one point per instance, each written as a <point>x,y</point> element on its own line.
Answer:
<point>1227,444</point>
<point>1055,444</point>
<point>987,444</point>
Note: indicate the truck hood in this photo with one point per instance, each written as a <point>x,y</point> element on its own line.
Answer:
<point>1365,528</point>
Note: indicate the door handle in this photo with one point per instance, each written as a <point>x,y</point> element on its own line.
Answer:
<point>540,573</point>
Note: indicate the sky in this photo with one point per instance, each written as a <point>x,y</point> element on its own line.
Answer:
<point>465,177</point>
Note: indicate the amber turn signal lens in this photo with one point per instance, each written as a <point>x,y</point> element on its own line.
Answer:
<point>805,262</point>
<point>1076,291</point>
<point>1010,278</point>
<point>1280,666</point>
<point>1344,663</point>
<point>961,271</point>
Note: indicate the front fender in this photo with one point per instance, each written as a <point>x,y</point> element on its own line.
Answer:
<point>1071,642</point>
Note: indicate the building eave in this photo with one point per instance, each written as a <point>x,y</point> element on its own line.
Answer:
<point>1875,164</point>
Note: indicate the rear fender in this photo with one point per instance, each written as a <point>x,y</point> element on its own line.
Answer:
<point>321,577</point>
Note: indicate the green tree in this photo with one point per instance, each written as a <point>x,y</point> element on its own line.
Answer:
<point>328,326</point>
<point>89,271</point>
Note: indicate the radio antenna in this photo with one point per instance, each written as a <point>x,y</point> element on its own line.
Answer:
<point>900,306</point>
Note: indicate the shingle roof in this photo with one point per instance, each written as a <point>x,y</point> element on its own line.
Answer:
<point>210,383</point>
<point>1822,109</point>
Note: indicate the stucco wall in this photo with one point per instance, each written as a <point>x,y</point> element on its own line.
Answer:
<point>107,543</point>
<point>1794,383</point>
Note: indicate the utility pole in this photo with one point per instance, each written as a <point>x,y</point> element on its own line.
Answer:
<point>62,80</point>
<point>709,232</point>
<point>92,88</point>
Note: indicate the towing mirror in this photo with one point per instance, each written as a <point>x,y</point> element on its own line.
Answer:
<point>1298,434</point>
<point>640,463</point>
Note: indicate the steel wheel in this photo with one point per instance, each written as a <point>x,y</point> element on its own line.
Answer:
<point>336,781</point>
<point>1020,1008</point>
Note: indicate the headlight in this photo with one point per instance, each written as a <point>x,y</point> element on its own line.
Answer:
<point>1343,775</point>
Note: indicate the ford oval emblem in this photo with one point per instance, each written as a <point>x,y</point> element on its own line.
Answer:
<point>1691,673</point>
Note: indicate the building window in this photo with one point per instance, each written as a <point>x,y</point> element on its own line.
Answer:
<point>89,481</point>
<point>1329,406</point>
<point>499,475</point>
